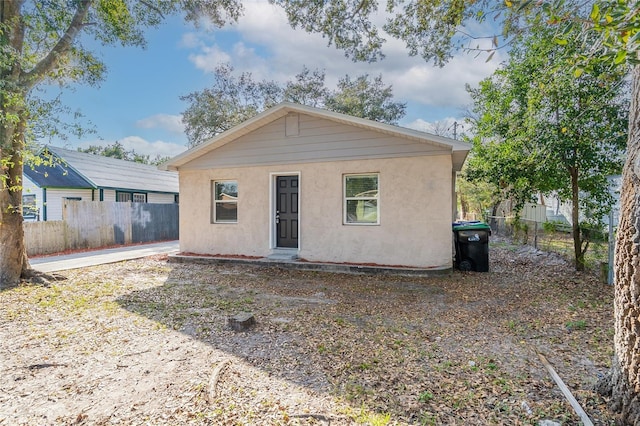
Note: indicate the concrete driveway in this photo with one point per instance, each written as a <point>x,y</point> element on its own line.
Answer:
<point>98,257</point>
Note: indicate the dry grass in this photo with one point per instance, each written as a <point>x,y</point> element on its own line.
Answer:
<point>137,343</point>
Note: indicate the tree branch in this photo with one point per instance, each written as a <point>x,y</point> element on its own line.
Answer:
<point>61,48</point>
<point>150,6</point>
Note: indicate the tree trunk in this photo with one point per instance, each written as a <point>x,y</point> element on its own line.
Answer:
<point>575,218</point>
<point>13,259</point>
<point>623,382</point>
<point>464,207</point>
<point>13,254</point>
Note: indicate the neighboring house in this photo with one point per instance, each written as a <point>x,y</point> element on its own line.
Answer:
<point>322,186</point>
<point>74,175</point>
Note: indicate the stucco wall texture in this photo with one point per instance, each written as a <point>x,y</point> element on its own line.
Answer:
<point>415,200</point>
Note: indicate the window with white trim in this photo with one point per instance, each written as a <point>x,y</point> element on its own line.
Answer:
<point>225,201</point>
<point>361,199</point>
<point>29,207</point>
<point>139,197</point>
<point>127,197</point>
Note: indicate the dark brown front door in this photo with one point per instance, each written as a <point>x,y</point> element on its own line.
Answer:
<point>287,211</point>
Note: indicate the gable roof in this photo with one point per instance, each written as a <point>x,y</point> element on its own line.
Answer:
<point>458,149</point>
<point>56,175</point>
<point>76,169</point>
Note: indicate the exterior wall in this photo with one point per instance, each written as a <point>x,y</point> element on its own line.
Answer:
<point>28,187</point>
<point>415,201</point>
<point>108,195</point>
<point>314,139</point>
<point>55,201</point>
<point>55,197</point>
<point>154,197</point>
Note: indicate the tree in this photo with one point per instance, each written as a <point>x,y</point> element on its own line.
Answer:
<point>40,43</point>
<point>619,26</point>
<point>117,150</point>
<point>541,129</point>
<point>366,99</point>
<point>307,89</point>
<point>477,198</point>
<point>622,384</point>
<point>434,29</point>
<point>232,100</point>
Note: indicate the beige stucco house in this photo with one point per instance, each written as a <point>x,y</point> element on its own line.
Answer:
<point>322,186</point>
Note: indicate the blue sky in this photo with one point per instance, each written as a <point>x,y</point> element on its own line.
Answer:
<point>138,103</point>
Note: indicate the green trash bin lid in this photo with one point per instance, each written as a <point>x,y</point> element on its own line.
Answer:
<point>467,226</point>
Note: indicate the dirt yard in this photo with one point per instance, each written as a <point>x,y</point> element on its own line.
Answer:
<point>148,342</point>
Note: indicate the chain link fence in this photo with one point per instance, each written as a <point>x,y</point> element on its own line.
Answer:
<point>555,238</point>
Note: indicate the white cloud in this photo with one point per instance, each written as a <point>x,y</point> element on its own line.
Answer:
<point>169,122</point>
<point>142,146</point>
<point>209,58</point>
<point>190,40</point>
<point>271,49</point>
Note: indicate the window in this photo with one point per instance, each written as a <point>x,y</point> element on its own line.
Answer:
<point>139,197</point>
<point>225,201</point>
<point>29,207</point>
<point>361,199</point>
<point>136,197</point>
<point>123,197</point>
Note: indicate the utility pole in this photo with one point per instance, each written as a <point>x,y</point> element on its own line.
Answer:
<point>455,129</point>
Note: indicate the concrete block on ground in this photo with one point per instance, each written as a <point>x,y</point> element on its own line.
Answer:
<point>242,321</point>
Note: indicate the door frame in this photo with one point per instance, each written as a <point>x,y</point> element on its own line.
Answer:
<point>273,177</point>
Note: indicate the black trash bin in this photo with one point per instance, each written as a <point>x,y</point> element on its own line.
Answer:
<point>472,246</point>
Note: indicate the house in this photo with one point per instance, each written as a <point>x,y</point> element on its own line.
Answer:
<point>321,186</point>
<point>73,175</point>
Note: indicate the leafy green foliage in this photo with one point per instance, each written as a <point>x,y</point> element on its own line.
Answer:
<point>40,44</point>
<point>117,150</point>
<point>346,24</point>
<point>541,129</point>
<point>478,197</point>
<point>618,22</point>
<point>232,100</point>
<point>432,29</point>
<point>367,99</point>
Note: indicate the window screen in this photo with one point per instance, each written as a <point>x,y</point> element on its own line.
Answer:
<point>225,201</point>
<point>361,199</point>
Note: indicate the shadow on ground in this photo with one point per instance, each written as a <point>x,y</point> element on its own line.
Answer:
<point>447,350</point>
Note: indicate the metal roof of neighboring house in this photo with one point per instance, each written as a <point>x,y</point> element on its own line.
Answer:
<point>95,171</point>
<point>459,150</point>
<point>56,175</point>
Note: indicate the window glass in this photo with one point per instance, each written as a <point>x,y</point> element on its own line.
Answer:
<point>361,199</point>
<point>139,197</point>
<point>29,207</point>
<point>225,201</point>
<point>123,197</point>
<point>361,186</point>
<point>136,197</point>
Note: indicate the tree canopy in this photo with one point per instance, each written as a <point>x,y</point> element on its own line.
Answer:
<point>234,99</point>
<point>39,42</point>
<point>117,150</point>
<point>542,129</point>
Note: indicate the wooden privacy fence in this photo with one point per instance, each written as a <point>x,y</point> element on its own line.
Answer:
<point>90,224</point>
